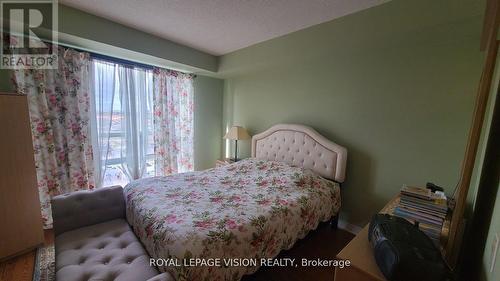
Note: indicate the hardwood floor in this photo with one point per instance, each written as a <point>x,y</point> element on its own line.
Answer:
<point>20,268</point>
<point>323,243</point>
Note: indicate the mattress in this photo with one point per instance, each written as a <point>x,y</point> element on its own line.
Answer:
<point>251,209</point>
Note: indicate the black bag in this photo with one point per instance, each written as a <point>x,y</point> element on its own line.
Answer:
<point>403,252</point>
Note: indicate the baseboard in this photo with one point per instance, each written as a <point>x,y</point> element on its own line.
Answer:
<point>354,229</point>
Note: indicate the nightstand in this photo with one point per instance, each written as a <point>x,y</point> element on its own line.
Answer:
<point>223,162</point>
<point>359,252</point>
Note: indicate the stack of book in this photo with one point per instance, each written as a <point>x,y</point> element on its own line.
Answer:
<point>429,209</point>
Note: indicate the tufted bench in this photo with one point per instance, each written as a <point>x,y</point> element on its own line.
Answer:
<point>94,241</point>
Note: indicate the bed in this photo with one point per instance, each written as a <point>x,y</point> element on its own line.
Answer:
<point>250,209</point>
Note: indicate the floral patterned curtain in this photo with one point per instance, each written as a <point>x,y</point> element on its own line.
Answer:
<point>58,103</point>
<point>173,121</point>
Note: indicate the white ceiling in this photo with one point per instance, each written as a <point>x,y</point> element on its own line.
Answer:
<point>220,26</point>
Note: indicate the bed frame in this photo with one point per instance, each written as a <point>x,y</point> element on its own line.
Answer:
<point>302,146</point>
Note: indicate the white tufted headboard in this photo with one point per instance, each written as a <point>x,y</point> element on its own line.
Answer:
<point>301,146</point>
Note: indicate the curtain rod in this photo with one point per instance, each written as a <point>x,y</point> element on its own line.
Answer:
<point>125,61</point>
<point>119,60</point>
<point>113,59</point>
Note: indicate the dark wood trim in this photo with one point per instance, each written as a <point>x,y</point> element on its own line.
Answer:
<point>490,23</point>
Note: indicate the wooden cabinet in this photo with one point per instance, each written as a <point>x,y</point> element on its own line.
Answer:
<point>20,216</point>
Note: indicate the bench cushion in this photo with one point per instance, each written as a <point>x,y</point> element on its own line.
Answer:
<point>87,207</point>
<point>104,251</point>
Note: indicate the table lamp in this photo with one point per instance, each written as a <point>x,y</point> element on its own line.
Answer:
<point>237,133</point>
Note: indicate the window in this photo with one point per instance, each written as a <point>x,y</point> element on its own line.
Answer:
<point>142,122</point>
<point>123,110</point>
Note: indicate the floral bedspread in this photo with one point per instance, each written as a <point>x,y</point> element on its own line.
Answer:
<point>249,209</point>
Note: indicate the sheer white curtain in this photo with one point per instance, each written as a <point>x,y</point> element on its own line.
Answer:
<point>123,122</point>
<point>103,86</point>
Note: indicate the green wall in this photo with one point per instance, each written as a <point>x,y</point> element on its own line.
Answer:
<point>482,146</point>
<point>5,83</point>
<point>494,228</point>
<point>484,214</point>
<point>395,84</point>
<point>208,118</point>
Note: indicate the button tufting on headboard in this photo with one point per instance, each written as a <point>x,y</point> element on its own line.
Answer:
<point>300,145</point>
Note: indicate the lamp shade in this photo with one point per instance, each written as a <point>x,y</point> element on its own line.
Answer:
<point>237,133</point>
